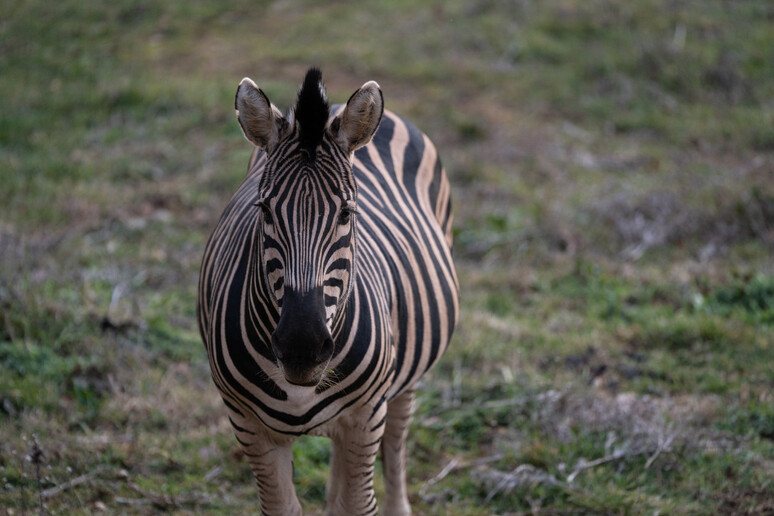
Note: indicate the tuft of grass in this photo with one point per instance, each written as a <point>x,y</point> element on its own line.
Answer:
<point>754,297</point>
<point>311,457</point>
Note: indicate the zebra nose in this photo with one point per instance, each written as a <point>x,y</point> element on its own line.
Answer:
<point>301,364</point>
<point>301,342</point>
<point>300,350</point>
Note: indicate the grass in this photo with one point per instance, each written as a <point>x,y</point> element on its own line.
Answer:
<point>614,222</point>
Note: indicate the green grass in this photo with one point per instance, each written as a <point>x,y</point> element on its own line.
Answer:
<point>614,225</point>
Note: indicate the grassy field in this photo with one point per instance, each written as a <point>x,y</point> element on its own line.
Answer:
<point>613,171</point>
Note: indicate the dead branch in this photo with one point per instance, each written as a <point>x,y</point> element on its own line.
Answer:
<point>454,465</point>
<point>132,501</point>
<point>64,486</point>
<point>664,444</point>
<point>583,464</point>
<point>523,474</point>
<point>36,457</point>
<point>53,491</point>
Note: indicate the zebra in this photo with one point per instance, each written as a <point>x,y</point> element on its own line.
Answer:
<point>327,289</point>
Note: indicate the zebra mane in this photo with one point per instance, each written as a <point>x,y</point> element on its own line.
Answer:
<point>312,110</point>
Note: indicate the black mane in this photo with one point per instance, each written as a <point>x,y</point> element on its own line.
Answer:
<point>312,110</point>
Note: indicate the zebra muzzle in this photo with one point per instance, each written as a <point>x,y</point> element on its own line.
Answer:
<point>302,343</point>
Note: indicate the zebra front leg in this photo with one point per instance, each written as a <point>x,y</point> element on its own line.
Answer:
<point>271,461</point>
<point>353,454</point>
<point>399,413</point>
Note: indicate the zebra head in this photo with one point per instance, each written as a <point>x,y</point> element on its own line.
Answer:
<point>308,223</point>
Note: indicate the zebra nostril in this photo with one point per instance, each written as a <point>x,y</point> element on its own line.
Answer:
<point>326,350</point>
<point>275,348</point>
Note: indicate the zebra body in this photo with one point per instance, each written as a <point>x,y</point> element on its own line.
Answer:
<point>327,289</point>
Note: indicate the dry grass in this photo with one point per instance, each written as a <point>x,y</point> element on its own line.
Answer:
<point>611,167</point>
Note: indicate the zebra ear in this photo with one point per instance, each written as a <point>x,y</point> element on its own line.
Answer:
<point>358,122</point>
<point>261,122</point>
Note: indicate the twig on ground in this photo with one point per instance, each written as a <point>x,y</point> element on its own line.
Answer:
<point>214,472</point>
<point>37,456</point>
<point>440,476</point>
<point>132,501</point>
<point>161,500</point>
<point>663,444</point>
<point>64,486</point>
<point>454,465</point>
<point>583,464</point>
<point>23,491</point>
<point>523,474</point>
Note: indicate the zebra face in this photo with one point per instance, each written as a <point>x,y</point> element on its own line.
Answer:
<point>307,197</point>
<point>307,247</point>
<point>308,234</point>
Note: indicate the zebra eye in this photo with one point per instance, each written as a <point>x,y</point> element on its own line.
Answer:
<point>345,215</point>
<point>267,216</point>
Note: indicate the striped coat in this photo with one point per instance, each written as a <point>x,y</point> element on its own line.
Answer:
<point>327,290</point>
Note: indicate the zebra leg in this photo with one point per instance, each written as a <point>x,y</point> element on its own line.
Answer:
<point>354,446</point>
<point>271,461</point>
<point>399,413</point>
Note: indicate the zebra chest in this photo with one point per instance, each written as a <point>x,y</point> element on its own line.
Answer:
<point>358,375</point>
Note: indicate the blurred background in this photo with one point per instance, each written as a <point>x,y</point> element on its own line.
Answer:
<point>612,166</point>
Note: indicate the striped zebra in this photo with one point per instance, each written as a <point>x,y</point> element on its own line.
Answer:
<point>327,289</point>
